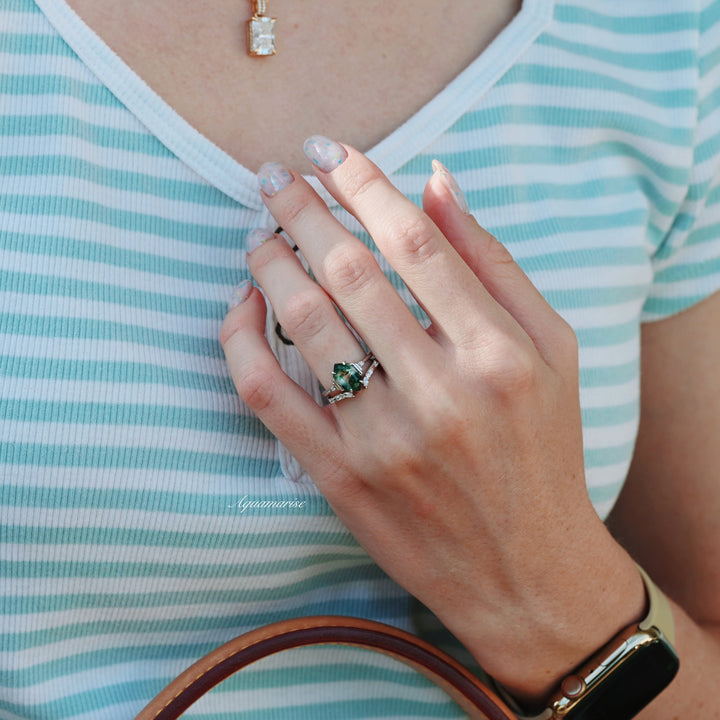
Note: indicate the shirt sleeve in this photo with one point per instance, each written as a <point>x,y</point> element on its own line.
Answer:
<point>687,263</point>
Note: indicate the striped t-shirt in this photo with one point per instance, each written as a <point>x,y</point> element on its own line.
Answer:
<point>146,515</point>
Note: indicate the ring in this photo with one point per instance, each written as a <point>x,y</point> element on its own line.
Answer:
<point>348,379</point>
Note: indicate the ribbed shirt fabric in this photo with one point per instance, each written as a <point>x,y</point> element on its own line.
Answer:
<point>145,515</point>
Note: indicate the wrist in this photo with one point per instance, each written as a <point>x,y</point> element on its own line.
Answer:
<point>575,619</point>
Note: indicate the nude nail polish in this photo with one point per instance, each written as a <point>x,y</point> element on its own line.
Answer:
<point>451,184</point>
<point>273,177</point>
<point>240,294</point>
<point>324,153</point>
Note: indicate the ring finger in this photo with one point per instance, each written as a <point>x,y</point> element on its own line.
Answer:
<point>303,308</point>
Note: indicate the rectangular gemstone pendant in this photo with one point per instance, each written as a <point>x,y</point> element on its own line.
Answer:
<point>261,36</point>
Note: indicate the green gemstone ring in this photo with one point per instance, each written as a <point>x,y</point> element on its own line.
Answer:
<point>348,379</point>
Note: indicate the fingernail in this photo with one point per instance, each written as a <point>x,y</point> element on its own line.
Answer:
<point>451,184</point>
<point>240,294</point>
<point>326,154</point>
<point>256,238</point>
<point>273,177</point>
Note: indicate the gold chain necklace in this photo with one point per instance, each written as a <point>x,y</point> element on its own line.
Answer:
<point>261,31</point>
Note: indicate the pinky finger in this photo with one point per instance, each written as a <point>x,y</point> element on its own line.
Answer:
<point>287,411</point>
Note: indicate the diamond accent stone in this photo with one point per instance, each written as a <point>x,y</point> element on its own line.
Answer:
<point>261,36</point>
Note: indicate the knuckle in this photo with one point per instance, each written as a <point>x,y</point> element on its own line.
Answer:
<point>235,322</point>
<point>415,237</point>
<point>256,388</point>
<point>349,269</point>
<point>306,314</point>
<point>296,207</point>
<point>513,372</point>
<point>494,251</point>
<point>361,180</point>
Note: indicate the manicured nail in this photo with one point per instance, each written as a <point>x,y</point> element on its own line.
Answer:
<point>273,177</point>
<point>240,294</point>
<point>451,184</point>
<point>256,238</point>
<point>326,154</point>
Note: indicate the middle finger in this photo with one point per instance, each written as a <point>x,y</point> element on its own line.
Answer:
<point>344,267</point>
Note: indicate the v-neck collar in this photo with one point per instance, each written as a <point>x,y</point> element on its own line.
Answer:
<point>226,174</point>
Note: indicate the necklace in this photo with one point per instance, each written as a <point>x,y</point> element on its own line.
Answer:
<point>261,31</point>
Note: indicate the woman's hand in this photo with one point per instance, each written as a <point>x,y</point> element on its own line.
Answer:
<point>460,467</point>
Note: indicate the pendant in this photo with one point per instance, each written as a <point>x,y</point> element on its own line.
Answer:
<point>261,32</point>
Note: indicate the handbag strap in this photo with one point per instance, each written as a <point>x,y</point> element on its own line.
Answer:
<point>469,693</point>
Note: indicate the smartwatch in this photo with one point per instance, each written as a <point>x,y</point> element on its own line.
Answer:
<point>618,681</point>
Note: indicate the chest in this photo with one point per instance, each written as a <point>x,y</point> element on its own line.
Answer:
<point>354,71</point>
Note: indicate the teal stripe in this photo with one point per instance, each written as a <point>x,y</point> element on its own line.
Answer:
<point>713,196</point>
<point>558,226</point>
<point>709,62</point>
<point>668,23</point>
<point>91,93</point>
<point>625,257</point>
<point>594,297</point>
<point>341,580</point>
<point>374,707</point>
<point>23,6</point>
<point>197,539</point>
<point>174,501</point>
<point>546,154</point>
<point>612,187</point>
<point>709,149</point>
<point>574,117</point>
<point>255,678</point>
<point>120,414</point>
<point>55,285</point>
<point>704,234</point>
<point>607,336</point>
<point>151,226</point>
<point>574,78</point>
<point>106,137</point>
<point>609,416</point>
<point>710,16</point>
<point>80,704</point>
<point>33,368</point>
<point>663,307</point>
<point>66,166</point>
<point>61,603</point>
<point>83,329</point>
<point>601,457</point>
<point>137,458</point>
<point>35,45</point>
<point>689,270</point>
<point>605,493</point>
<point>656,62</point>
<point>600,377</point>
<point>57,247</point>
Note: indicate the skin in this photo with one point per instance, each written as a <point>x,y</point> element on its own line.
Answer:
<point>483,540</point>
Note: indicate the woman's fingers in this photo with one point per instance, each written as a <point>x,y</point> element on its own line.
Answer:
<point>303,308</point>
<point>344,268</point>
<point>440,280</point>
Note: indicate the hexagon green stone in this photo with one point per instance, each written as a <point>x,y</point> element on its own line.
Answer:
<point>347,376</point>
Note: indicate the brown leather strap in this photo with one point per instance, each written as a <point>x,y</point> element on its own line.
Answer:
<point>475,698</point>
